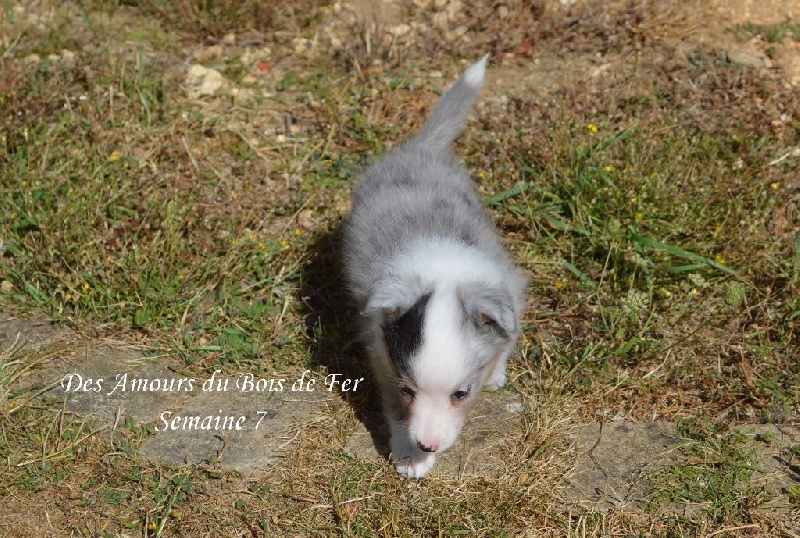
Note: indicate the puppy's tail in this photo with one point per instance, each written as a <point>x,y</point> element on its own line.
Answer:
<point>450,114</point>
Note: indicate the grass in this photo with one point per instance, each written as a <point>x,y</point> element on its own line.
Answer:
<point>716,476</point>
<point>771,33</point>
<point>650,208</point>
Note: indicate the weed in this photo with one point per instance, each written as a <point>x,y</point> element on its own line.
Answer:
<point>774,33</point>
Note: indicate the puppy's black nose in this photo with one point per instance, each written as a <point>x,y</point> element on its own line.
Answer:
<point>426,448</point>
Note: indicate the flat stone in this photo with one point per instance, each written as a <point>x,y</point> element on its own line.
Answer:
<point>750,58</point>
<point>614,461</point>
<point>203,81</point>
<point>21,332</point>
<point>250,428</point>
<point>268,426</point>
<point>613,457</point>
<point>109,384</point>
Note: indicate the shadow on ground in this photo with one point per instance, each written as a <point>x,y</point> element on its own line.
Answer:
<point>329,324</point>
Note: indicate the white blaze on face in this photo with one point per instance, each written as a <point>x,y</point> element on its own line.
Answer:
<point>439,370</point>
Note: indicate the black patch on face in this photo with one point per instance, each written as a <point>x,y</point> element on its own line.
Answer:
<point>404,335</point>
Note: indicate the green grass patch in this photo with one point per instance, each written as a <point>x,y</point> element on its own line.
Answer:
<point>771,33</point>
<point>716,476</point>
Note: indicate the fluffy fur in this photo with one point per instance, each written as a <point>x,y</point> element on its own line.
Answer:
<point>440,300</point>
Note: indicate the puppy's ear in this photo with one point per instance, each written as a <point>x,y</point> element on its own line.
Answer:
<point>489,308</point>
<point>393,296</point>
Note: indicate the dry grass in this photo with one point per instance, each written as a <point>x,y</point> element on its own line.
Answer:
<point>642,189</point>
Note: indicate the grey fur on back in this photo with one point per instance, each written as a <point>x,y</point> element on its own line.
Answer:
<point>420,191</point>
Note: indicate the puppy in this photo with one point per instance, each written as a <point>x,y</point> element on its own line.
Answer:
<point>439,298</point>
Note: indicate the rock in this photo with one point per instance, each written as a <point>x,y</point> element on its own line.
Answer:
<point>118,397</point>
<point>302,45</point>
<point>305,219</point>
<point>205,54</point>
<point>263,66</point>
<point>400,30</point>
<point>202,81</point>
<point>606,476</point>
<point>599,70</point>
<point>748,58</point>
<point>20,332</point>
<point>68,58</point>
<point>271,427</point>
<point>615,459</point>
<point>243,94</point>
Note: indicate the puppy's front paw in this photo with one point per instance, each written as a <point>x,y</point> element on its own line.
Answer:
<point>497,380</point>
<point>416,465</point>
<point>411,461</point>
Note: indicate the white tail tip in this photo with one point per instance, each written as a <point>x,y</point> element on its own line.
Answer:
<point>474,73</point>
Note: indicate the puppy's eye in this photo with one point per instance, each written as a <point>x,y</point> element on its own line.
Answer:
<point>407,392</point>
<point>460,395</point>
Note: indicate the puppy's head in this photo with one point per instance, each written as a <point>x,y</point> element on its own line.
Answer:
<point>443,344</point>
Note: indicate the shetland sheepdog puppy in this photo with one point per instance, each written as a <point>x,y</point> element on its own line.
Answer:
<point>439,299</point>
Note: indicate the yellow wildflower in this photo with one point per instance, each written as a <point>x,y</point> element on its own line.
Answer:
<point>719,258</point>
<point>592,127</point>
<point>114,156</point>
<point>607,168</point>
<point>558,284</point>
<point>298,231</point>
<point>774,185</point>
<point>638,216</point>
<point>85,286</point>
